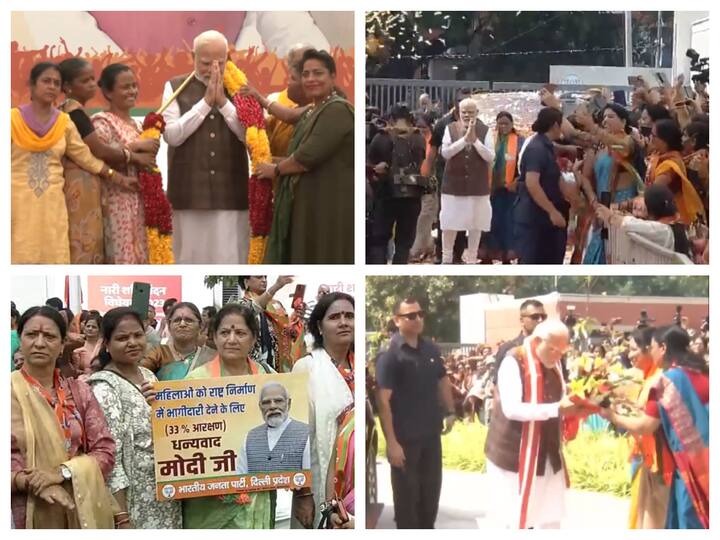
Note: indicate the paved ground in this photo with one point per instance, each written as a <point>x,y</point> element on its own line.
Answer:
<point>464,497</point>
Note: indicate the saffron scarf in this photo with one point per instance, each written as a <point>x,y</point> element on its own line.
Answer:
<point>505,147</point>
<point>689,203</point>
<point>28,140</point>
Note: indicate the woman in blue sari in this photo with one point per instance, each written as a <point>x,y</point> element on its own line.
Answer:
<point>616,179</point>
<point>677,410</point>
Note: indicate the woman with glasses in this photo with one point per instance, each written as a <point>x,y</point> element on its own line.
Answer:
<point>183,352</point>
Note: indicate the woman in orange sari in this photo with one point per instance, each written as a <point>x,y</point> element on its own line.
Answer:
<point>667,167</point>
<point>650,469</point>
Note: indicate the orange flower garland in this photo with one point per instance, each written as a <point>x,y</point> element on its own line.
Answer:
<point>260,201</point>
<point>158,213</point>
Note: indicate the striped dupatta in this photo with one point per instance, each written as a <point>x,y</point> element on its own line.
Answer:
<point>686,424</point>
<point>530,440</point>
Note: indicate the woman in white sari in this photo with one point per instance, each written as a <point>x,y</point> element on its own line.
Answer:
<point>331,384</point>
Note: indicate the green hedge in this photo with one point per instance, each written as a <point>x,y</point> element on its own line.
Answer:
<point>596,461</point>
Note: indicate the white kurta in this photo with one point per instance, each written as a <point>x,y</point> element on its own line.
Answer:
<point>471,212</point>
<point>329,395</point>
<point>546,506</point>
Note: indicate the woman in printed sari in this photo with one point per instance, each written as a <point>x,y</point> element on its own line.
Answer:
<point>615,178</point>
<point>498,244</point>
<point>60,446</point>
<point>118,387</point>
<point>677,412</point>
<point>123,211</point>
<point>667,167</point>
<point>234,330</point>
<point>82,189</point>
<point>183,352</point>
<point>41,136</point>
<point>331,383</point>
<point>315,191</point>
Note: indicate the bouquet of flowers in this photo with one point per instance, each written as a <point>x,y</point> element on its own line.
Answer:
<point>260,195</point>
<point>158,213</point>
<point>597,382</point>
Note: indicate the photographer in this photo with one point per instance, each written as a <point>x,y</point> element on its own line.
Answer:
<point>395,156</point>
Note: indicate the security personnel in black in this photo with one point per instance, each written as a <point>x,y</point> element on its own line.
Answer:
<point>541,211</point>
<point>532,313</point>
<point>412,383</point>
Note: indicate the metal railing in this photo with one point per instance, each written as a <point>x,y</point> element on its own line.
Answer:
<point>384,93</point>
<point>465,348</point>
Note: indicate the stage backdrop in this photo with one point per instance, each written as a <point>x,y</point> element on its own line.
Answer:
<point>157,45</point>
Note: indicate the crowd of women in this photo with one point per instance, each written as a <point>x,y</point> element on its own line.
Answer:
<point>546,196</point>
<point>82,388</point>
<point>76,193</point>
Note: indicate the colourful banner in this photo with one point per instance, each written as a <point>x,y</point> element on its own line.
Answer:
<point>108,292</point>
<point>214,436</point>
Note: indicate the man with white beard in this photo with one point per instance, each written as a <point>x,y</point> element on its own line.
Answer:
<point>207,162</point>
<point>468,147</point>
<point>525,462</point>
<point>280,443</point>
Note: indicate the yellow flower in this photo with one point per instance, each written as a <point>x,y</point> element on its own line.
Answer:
<point>257,249</point>
<point>150,133</point>
<point>159,247</point>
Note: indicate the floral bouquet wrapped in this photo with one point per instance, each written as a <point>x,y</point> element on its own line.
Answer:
<point>260,195</point>
<point>597,382</point>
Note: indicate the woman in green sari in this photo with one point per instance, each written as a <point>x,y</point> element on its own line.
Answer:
<point>315,188</point>
<point>235,329</point>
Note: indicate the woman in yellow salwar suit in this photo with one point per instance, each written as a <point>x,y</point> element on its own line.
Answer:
<point>40,136</point>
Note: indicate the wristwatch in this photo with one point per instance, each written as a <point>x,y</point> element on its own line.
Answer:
<point>65,472</point>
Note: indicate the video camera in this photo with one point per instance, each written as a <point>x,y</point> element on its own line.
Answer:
<point>699,66</point>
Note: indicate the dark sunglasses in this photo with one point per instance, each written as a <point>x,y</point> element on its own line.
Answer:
<point>537,316</point>
<point>412,316</point>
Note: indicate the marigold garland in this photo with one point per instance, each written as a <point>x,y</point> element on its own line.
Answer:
<point>260,202</point>
<point>158,213</point>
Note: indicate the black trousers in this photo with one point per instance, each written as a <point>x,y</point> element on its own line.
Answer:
<point>400,213</point>
<point>540,245</point>
<point>416,487</point>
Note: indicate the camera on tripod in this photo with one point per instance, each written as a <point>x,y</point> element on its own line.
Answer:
<point>699,66</point>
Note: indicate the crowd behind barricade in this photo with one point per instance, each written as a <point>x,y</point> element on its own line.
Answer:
<point>452,189</point>
<point>82,389</point>
<point>646,383</point>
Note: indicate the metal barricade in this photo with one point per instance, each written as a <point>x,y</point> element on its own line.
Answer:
<point>384,93</point>
<point>630,248</point>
